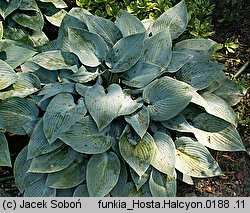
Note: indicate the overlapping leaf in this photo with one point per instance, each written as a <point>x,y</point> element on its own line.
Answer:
<point>16,113</point>
<point>166,97</point>
<point>26,84</point>
<point>84,137</point>
<point>89,47</point>
<point>69,177</point>
<point>6,8</point>
<point>162,185</point>
<point>7,75</point>
<point>178,60</point>
<point>128,24</point>
<point>158,49</point>
<point>139,121</point>
<point>54,161</point>
<point>120,58</point>
<point>141,74</point>
<point>39,189</point>
<point>4,151</point>
<point>104,107</point>
<point>137,152</point>
<point>175,19</point>
<point>199,74</point>
<point>103,172</point>
<point>103,27</point>
<point>55,60</point>
<point>23,178</point>
<point>38,143</point>
<point>61,114</point>
<point>164,156</point>
<point>193,159</point>
<point>15,53</point>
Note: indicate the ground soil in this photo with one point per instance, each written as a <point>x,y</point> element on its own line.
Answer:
<point>235,182</point>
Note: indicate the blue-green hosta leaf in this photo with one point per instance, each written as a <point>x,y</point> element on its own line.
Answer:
<point>65,192</point>
<point>38,143</point>
<point>39,189</point>
<point>81,75</point>
<point>164,156</point>
<point>129,24</point>
<point>1,30</point>
<point>216,106</point>
<point>38,38</point>
<point>23,178</point>
<point>141,74</point>
<point>70,177</point>
<point>137,152</point>
<point>162,185</point>
<point>81,191</point>
<point>61,114</point>
<point>158,49</point>
<point>178,60</point>
<point>121,58</point>
<point>16,55</point>
<point>16,113</point>
<point>34,22</point>
<point>193,159</point>
<point>230,91</point>
<point>129,104</point>
<point>178,123</point>
<point>45,76</point>
<point>54,161</point>
<point>55,60</point>
<point>139,181</point>
<point>199,74</point>
<point>29,5</point>
<point>55,17</point>
<point>217,82</point>
<point>166,97</point>
<point>175,19</point>
<point>7,75</point>
<point>185,178</point>
<point>6,8</point>
<point>1,124</point>
<point>139,120</point>
<point>130,190</point>
<point>103,172</point>
<point>104,28</point>
<point>120,185</point>
<point>84,137</point>
<point>201,49</point>
<point>89,47</point>
<point>147,23</point>
<point>14,31</point>
<point>102,106</point>
<point>26,84</point>
<point>81,89</point>
<point>50,90</point>
<point>4,152</point>
<point>209,123</point>
<point>216,133</point>
<point>56,3</point>
<point>70,20</point>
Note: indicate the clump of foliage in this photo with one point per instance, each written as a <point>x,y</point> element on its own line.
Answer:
<point>116,108</point>
<point>199,12</point>
<point>24,20</point>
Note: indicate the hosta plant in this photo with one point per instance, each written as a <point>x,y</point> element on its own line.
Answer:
<point>116,108</point>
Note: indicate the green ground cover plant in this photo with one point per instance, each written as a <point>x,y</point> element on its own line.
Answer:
<point>115,108</point>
